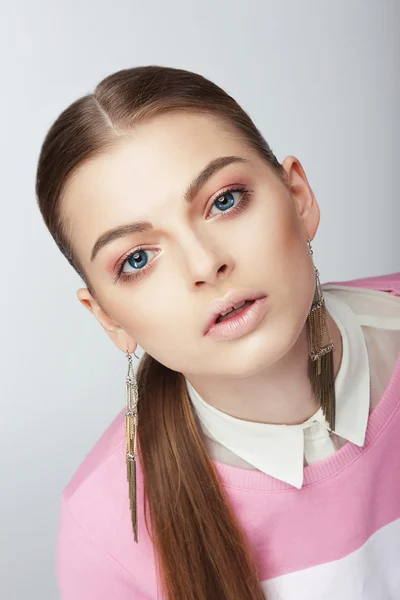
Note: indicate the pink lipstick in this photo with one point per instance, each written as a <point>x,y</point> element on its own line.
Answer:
<point>235,315</point>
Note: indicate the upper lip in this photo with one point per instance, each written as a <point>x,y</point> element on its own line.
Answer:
<point>228,301</point>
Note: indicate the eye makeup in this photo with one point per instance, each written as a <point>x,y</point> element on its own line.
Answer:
<point>122,276</point>
<point>240,205</point>
<point>237,208</point>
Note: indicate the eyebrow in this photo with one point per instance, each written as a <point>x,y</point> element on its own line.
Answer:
<point>193,189</point>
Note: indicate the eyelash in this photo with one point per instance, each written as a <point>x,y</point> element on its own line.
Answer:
<point>241,205</point>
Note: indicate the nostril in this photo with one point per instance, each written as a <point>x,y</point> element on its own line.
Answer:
<point>222,269</point>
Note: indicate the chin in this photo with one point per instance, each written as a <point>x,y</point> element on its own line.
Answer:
<point>253,354</point>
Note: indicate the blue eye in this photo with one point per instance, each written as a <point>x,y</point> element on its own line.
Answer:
<point>138,259</point>
<point>226,201</point>
<point>135,264</point>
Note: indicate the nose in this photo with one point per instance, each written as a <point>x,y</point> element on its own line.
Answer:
<point>206,260</point>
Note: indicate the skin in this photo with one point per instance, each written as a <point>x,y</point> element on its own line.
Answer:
<point>196,256</point>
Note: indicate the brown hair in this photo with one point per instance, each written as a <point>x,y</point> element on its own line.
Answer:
<point>202,552</point>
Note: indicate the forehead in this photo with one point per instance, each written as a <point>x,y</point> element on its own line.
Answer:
<point>143,173</point>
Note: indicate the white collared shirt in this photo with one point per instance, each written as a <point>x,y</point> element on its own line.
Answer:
<point>369,323</point>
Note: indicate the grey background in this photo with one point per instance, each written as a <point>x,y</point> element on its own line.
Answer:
<point>320,79</point>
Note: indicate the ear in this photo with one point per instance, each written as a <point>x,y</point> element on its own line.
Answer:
<point>118,335</point>
<point>306,203</point>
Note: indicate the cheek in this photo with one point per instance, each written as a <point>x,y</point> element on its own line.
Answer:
<point>145,317</point>
<point>163,335</point>
<point>284,259</point>
<point>274,236</point>
<point>153,314</point>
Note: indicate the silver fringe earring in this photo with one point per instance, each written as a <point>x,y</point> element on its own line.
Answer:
<point>321,369</point>
<point>131,424</point>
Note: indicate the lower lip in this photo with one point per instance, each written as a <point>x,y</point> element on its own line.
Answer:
<point>241,324</point>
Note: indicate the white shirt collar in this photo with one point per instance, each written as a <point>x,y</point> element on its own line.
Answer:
<point>278,450</point>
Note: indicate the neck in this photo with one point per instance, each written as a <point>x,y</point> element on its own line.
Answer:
<point>272,396</point>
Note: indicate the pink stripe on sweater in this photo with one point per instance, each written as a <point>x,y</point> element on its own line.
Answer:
<point>346,498</point>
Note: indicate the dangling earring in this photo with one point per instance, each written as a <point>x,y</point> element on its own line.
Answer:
<point>321,370</point>
<point>131,424</point>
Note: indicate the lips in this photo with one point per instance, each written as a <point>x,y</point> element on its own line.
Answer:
<point>235,310</point>
<point>232,301</point>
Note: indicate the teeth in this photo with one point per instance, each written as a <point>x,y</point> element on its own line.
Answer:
<point>234,307</point>
<point>239,304</point>
<point>223,313</point>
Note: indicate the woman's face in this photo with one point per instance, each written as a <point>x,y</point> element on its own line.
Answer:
<point>238,230</point>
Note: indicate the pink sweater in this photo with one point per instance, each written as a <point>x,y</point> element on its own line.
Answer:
<point>336,538</point>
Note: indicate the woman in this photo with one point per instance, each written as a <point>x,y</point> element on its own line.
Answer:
<point>259,454</point>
